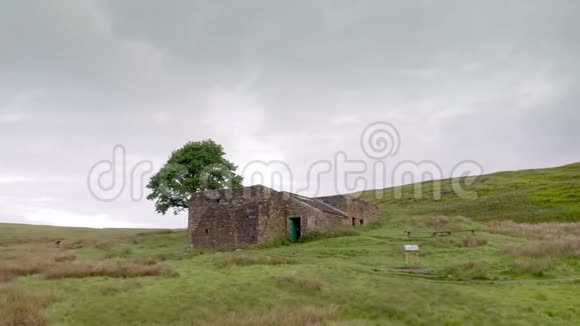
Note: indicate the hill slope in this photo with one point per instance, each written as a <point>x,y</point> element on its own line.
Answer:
<point>505,273</point>
<point>539,195</point>
<point>14,234</point>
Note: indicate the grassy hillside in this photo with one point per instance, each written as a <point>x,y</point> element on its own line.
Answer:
<point>504,273</point>
<point>14,234</point>
<point>524,196</point>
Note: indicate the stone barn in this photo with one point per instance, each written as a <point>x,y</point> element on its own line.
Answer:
<point>258,214</point>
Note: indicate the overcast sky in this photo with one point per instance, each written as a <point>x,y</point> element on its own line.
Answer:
<point>495,82</point>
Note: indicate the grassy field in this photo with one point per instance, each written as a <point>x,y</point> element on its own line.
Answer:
<point>540,195</point>
<point>509,273</point>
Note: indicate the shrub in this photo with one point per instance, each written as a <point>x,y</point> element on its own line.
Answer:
<point>535,266</point>
<point>301,281</point>
<point>109,268</point>
<point>247,260</point>
<point>21,307</point>
<point>470,270</point>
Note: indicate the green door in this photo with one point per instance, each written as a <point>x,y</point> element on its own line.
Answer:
<point>294,231</point>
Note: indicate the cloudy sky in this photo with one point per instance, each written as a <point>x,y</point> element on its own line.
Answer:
<point>494,82</point>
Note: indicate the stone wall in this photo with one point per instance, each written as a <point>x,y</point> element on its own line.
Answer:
<point>273,220</point>
<point>361,211</point>
<point>313,219</point>
<point>253,215</point>
<point>227,219</point>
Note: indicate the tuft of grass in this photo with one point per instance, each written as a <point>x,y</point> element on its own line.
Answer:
<point>157,232</point>
<point>30,264</point>
<point>474,241</point>
<point>279,242</point>
<point>537,230</point>
<point>116,288</point>
<point>437,222</point>
<point>77,244</point>
<point>56,263</point>
<point>124,252</point>
<point>283,316</point>
<point>315,235</point>
<point>149,261</point>
<point>111,268</point>
<point>64,257</point>
<point>459,242</point>
<point>248,260</point>
<point>470,270</point>
<point>563,247</point>
<point>182,255</point>
<point>300,281</point>
<point>534,266</point>
<point>22,307</point>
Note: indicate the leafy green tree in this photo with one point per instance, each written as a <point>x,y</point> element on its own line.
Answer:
<point>197,166</point>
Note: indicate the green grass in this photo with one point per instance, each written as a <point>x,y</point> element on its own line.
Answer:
<point>524,196</point>
<point>355,280</point>
<point>344,278</point>
<point>14,234</point>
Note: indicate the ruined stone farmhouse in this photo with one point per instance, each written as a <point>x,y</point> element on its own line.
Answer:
<point>258,214</point>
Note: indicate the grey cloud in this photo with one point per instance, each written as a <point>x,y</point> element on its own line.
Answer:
<point>493,81</point>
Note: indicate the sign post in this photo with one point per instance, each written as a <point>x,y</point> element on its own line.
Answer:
<point>411,251</point>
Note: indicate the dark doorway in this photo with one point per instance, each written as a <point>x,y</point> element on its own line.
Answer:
<point>294,232</point>
<point>362,222</point>
<point>353,221</point>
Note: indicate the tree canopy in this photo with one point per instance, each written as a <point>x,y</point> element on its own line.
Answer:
<point>197,166</point>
